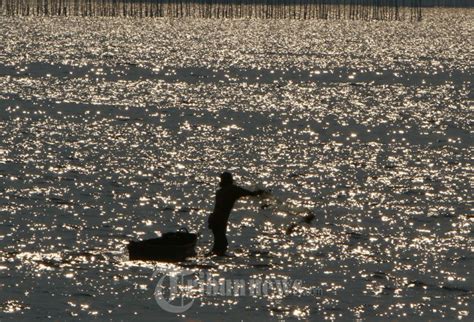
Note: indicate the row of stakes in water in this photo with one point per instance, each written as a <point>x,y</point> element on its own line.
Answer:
<point>232,9</point>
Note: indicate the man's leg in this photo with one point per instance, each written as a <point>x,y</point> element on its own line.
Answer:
<point>220,240</point>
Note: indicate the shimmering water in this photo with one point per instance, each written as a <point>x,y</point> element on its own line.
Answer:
<point>115,129</point>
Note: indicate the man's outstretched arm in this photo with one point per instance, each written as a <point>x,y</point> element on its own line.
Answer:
<point>245,192</point>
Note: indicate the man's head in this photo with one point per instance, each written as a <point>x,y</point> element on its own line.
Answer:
<point>226,179</point>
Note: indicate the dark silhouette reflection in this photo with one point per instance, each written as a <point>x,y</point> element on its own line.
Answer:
<point>226,197</point>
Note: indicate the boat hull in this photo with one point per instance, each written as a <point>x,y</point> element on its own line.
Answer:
<point>169,248</point>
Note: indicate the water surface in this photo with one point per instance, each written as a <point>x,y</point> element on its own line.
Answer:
<point>115,129</point>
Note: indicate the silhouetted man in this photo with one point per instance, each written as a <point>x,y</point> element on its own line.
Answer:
<point>225,199</point>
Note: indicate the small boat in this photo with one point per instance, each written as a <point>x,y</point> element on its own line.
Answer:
<point>170,247</point>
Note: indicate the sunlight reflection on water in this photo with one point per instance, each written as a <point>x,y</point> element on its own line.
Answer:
<point>117,129</point>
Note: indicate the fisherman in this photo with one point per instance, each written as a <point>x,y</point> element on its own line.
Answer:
<point>225,199</point>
